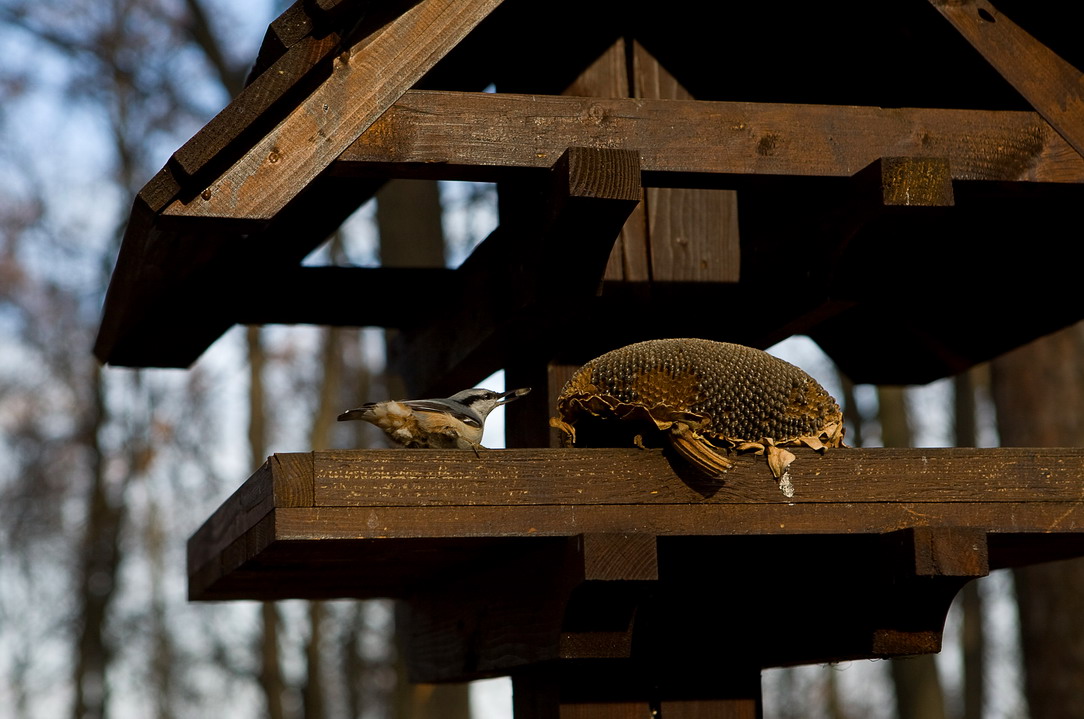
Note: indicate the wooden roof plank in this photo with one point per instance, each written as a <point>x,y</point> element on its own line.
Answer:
<point>294,24</point>
<point>1049,83</point>
<point>290,72</point>
<point>451,135</point>
<point>378,69</point>
<point>692,232</point>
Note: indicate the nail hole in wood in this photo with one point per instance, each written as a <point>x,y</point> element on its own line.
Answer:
<point>985,15</point>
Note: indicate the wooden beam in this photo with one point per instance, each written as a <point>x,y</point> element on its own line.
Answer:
<point>363,83</point>
<point>346,296</point>
<point>692,232</point>
<point>484,136</point>
<point>608,76</point>
<point>608,690</point>
<point>515,558</point>
<point>168,274</point>
<point>217,143</point>
<point>388,497</point>
<point>1053,87</point>
<point>513,286</point>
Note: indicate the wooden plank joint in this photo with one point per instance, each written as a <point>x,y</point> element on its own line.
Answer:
<point>946,551</point>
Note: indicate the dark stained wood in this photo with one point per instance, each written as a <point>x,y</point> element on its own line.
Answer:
<point>210,149</point>
<point>395,495</point>
<point>693,232</point>
<point>554,477</point>
<point>948,551</point>
<point>619,557</point>
<point>527,419</point>
<point>508,300</point>
<point>896,335</point>
<point>434,522</point>
<point>1050,84</point>
<point>363,83</point>
<point>165,276</point>
<point>446,135</point>
<point>293,25</point>
<point>618,583</point>
<point>572,599</point>
<point>600,562</point>
<point>608,76</point>
<point>606,690</point>
<point>339,296</point>
<point>712,709</point>
<point>284,480</point>
<point>916,182</point>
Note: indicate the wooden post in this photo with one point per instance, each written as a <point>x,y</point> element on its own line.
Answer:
<point>610,691</point>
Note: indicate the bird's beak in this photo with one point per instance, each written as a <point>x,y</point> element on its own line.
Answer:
<point>513,395</point>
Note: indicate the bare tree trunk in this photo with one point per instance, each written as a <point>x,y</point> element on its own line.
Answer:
<point>271,681</point>
<point>1039,394</point>
<point>918,686</point>
<point>98,566</point>
<point>313,691</point>
<point>972,641</point>
<point>312,694</point>
<point>834,706</point>
<point>163,657</point>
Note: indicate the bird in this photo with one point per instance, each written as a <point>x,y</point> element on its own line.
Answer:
<point>454,422</point>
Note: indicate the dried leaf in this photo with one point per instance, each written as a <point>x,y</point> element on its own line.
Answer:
<point>779,460</point>
<point>701,453</point>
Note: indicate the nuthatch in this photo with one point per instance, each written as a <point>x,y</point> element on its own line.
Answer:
<point>452,423</point>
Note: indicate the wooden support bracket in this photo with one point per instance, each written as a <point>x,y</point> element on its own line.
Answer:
<point>515,286</point>
<point>618,690</point>
<point>933,564</point>
<point>573,599</point>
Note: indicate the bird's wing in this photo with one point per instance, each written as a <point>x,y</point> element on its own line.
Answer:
<point>428,405</point>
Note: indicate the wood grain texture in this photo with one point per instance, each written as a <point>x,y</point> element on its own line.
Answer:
<point>916,182</point>
<point>890,477</point>
<point>448,135</point>
<point>430,499</point>
<point>1053,86</point>
<point>619,557</point>
<point>352,523</point>
<point>231,522</point>
<point>711,709</point>
<point>288,73</point>
<point>517,559</point>
<point>608,76</point>
<point>949,552</point>
<point>692,232</point>
<point>361,86</point>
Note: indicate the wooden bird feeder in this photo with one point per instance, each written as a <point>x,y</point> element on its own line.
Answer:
<point>893,181</point>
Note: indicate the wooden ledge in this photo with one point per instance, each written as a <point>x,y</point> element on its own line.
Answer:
<point>383,522</point>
